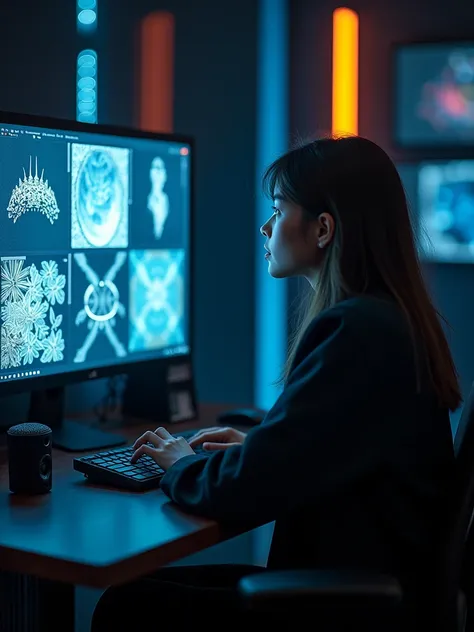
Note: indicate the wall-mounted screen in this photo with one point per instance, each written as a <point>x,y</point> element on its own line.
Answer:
<point>446,210</point>
<point>434,94</point>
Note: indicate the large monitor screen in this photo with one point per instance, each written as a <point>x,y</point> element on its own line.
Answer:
<point>94,244</point>
<point>446,210</point>
<point>434,94</point>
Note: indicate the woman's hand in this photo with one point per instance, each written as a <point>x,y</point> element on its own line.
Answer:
<point>217,438</point>
<point>165,449</point>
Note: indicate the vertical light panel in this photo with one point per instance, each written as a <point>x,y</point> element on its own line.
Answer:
<point>272,141</point>
<point>86,86</point>
<point>156,91</point>
<point>345,72</point>
<point>86,11</point>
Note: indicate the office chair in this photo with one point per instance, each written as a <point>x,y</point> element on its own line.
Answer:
<point>337,593</point>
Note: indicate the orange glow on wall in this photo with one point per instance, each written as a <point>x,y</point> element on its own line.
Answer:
<point>156,91</point>
<point>345,72</point>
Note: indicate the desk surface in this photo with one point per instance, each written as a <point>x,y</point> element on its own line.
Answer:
<point>97,536</point>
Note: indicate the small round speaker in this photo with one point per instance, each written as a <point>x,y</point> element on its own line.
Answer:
<point>29,458</point>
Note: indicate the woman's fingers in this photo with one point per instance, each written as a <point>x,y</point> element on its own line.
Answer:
<point>148,437</point>
<point>205,430</point>
<point>141,450</point>
<point>207,435</point>
<point>212,446</point>
<point>163,433</point>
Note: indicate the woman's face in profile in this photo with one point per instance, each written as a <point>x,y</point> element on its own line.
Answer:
<point>291,244</point>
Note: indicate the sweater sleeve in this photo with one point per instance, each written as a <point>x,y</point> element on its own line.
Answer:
<point>317,439</point>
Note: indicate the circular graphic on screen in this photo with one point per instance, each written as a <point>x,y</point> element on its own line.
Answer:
<point>101,199</point>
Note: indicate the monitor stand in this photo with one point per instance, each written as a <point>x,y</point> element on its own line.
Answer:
<point>47,407</point>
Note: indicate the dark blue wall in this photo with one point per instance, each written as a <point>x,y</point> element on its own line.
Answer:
<point>215,100</point>
<point>37,71</point>
<point>216,44</point>
<point>381,25</point>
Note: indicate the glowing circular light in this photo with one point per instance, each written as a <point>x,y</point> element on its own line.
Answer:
<point>86,59</point>
<point>85,117</point>
<point>86,108</point>
<point>86,95</point>
<point>87,17</point>
<point>86,71</point>
<point>86,4</point>
<point>86,83</point>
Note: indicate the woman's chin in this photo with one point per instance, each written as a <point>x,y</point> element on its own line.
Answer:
<point>275,272</point>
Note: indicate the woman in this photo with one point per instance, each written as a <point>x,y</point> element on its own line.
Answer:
<point>353,459</point>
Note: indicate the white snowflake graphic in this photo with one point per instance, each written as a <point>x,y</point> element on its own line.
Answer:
<point>30,329</point>
<point>14,279</point>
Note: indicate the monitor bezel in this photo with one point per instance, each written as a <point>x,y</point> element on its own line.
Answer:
<point>431,150</point>
<point>27,385</point>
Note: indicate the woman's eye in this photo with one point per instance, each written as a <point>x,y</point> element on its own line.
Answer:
<point>276,211</point>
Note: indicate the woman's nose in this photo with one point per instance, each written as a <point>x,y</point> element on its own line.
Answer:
<point>264,229</point>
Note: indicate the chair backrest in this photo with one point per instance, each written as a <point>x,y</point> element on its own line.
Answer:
<point>461,507</point>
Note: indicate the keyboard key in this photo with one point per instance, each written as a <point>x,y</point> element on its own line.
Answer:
<point>129,471</point>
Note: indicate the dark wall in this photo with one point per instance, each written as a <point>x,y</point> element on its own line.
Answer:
<point>215,101</point>
<point>37,68</point>
<point>381,25</point>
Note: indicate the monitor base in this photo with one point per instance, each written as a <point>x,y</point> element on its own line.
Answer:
<point>73,436</point>
<point>47,407</point>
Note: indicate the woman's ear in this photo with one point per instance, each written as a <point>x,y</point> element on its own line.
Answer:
<point>325,228</point>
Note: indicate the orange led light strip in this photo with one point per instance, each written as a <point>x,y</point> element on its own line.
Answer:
<point>345,72</point>
<point>156,90</point>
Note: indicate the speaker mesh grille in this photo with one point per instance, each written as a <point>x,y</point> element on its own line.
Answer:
<point>29,429</point>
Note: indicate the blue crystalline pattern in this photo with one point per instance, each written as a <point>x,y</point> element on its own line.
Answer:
<point>156,299</point>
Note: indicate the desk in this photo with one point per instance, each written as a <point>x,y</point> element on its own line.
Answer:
<point>92,536</point>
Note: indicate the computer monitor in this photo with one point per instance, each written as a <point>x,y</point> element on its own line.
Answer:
<point>95,257</point>
<point>433,94</point>
<point>446,210</point>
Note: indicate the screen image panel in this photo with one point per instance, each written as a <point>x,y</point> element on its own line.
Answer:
<point>160,196</point>
<point>446,203</point>
<point>99,196</point>
<point>434,94</point>
<point>34,196</point>
<point>99,310</point>
<point>34,315</point>
<point>157,299</point>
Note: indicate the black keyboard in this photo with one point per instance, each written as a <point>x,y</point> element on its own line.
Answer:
<point>113,467</point>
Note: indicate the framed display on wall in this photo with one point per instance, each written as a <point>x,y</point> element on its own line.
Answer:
<point>433,94</point>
